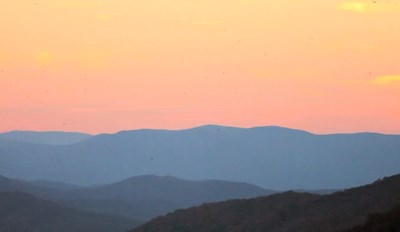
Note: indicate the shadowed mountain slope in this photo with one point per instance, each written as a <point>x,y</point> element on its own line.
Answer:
<point>14,185</point>
<point>380,222</point>
<point>142,197</point>
<point>20,212</point>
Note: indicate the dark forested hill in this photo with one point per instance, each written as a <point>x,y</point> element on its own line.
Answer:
<point>20,212</point>
<point>285,212</point>
<point>380,222</point>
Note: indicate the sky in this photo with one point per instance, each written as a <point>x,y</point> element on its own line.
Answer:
<point>100,66</point>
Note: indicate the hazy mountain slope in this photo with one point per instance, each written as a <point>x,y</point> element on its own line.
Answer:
<point>145,197</point>
<point>142,197</point>
<point>20,212</point>
<point>285,212</point>
<point>55,185</point>
<point>271,157</point>
<point>50,138</point>
<point>13,185</point>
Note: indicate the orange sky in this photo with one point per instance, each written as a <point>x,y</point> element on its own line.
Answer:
<point>107,65</point>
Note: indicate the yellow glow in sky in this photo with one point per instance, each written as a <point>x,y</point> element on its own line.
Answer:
<point>386,80</point>
<point>354,6</point>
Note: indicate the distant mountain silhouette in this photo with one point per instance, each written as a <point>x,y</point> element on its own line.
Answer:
<point>271,157</point>
<point>285,212</point>
<point>20,212</point>
<point>48,137</point>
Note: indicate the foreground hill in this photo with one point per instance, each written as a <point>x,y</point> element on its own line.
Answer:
<point>20,212</point>
<point>50,138</point>
<point>145,197</point>
<point>270,157</point>
<point>285,212</point>
<point>380,222</point>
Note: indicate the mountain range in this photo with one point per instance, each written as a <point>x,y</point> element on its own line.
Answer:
<point>271,157</point>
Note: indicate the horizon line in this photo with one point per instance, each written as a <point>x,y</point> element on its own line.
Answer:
<point>200,126</point>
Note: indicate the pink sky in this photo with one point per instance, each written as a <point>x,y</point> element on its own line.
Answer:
<point>103,66</point>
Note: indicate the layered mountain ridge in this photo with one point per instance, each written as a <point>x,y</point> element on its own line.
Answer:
<point>271,157</point>
<point>140,198</point>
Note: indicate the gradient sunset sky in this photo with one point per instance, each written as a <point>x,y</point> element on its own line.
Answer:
<point>108,65</point>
